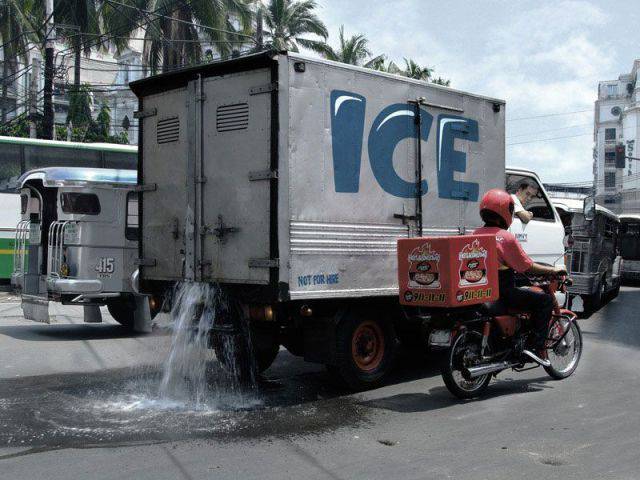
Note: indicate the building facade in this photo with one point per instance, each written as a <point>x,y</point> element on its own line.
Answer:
<point>616,125</point>
<point>105,74</point>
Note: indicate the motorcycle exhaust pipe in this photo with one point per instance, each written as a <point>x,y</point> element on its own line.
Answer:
<point>474,372</point>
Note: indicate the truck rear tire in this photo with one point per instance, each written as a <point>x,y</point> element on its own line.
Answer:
<point>365,350</point>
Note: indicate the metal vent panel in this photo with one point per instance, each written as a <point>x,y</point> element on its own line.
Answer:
<point>168,130</point>
<point>232,117</point>
<point>320,238</point>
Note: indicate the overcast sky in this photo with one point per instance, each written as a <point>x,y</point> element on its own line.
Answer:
<point>542,57</point>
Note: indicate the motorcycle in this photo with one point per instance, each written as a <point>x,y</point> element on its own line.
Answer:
<point>487,341</point>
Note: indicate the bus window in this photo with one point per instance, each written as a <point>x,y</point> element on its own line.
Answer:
<point>131,226</point>
<point>630,241</point>
<point>80,203</point>
<point>39,157</point>
<point>9,167</point>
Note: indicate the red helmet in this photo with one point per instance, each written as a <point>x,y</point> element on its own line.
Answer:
<point>498,202</point>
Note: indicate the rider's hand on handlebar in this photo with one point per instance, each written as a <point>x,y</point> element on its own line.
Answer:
<point>560,271</point>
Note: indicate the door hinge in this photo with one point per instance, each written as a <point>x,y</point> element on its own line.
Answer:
<point>145,113</point>
<point>145,262</point>
<point>201,98</point>
<point>264,263</point>
<point>262,175</point>
<point>149,187</point>
<point>269,87</point>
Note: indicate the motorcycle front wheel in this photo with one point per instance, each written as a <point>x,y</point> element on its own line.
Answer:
<point>565,354</point>
<point>463,353</point>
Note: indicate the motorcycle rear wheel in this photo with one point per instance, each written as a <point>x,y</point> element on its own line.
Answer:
<point>565,356</point>
<point>466,343</point>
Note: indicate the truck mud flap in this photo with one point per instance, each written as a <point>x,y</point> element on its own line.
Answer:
<point>35,308</point>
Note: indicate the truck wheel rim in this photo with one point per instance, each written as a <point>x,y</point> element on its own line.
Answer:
<point>367,346</point>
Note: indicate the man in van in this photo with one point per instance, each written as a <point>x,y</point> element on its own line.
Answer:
<point>527,189</point>
<point>496,210</point>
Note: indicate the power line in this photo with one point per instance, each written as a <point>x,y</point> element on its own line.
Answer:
<point>549,131</point>
<point>549,139</point>
<point>548,115</point>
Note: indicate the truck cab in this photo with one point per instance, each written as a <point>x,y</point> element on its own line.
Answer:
<point>77,243</point>
<point>542,238</point>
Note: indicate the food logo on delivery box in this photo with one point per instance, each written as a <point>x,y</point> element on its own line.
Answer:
<point>473,265</point>
<point>423,267</point>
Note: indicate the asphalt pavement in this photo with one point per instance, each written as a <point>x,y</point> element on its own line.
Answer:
<point>83,401</point>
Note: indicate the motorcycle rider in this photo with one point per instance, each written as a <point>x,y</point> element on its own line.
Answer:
<point>496,210</point>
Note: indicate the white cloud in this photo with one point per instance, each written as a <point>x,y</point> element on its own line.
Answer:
<point>541,58</point>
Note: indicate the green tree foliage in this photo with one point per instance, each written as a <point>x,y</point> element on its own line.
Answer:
<point>353,50</point>
<point>175,29</point>
<point>288,22</point>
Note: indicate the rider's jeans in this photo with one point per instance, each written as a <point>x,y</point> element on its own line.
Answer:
<point>539,304</point>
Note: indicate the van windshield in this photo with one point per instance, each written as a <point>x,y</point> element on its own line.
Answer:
<point>80,203</point>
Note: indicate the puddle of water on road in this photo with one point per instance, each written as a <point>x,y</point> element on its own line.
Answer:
<point>191,382</point>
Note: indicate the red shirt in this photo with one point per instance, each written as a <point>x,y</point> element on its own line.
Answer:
<point>510,252</point>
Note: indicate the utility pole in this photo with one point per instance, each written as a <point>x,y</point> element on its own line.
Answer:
<point>259,29</point>
<point>47,122</point>
<point>33,97</point>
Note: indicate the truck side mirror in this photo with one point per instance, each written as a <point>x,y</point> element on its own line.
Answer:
<point>589,208</point>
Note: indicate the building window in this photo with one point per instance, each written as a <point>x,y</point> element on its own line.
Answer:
<point>609,180</point>
<point>612,90</point>
<point>610,158</point>
<point>609,133</point>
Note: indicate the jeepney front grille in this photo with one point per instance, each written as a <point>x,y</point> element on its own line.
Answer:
<point>20,246</point>
<point>55,247</point>
<point>579,254</point>
<point>168,130</point>
<point>232,117</point>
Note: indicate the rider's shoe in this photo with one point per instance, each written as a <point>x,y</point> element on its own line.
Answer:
<point>537,358</point>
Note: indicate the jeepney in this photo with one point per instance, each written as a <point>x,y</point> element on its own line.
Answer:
<point>592,259</point>
<point>77,244</point>
<point>630,246</point>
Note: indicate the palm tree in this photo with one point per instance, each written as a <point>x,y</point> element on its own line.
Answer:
<point>20,24</point>
<point>441,81</point>
<point>80,29</point>
<point>175,30</point>
<point>413,70</point>
<point>286,22</point>
<point>352,50</point>
<point>387,66</point>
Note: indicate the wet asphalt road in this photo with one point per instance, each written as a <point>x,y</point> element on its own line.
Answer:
<point>80,401</point>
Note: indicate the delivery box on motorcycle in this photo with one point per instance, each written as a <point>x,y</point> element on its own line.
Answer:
<point>448,271</point>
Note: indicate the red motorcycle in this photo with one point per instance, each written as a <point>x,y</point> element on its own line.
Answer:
<point>487,341</point>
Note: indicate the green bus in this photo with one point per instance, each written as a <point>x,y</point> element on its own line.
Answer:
<point>19,155</point>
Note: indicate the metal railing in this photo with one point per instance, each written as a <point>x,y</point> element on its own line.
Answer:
<point>55,247</point>
<point>20,246</point>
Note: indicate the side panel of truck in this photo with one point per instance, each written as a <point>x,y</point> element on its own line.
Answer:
<point>352,168</point>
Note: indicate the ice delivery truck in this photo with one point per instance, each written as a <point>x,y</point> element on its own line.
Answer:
<point>287,181</point>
